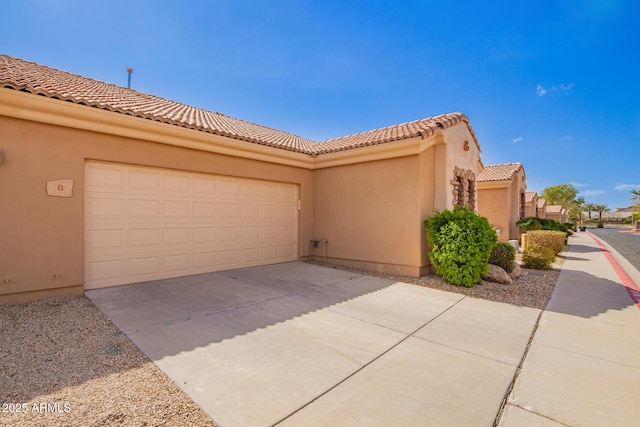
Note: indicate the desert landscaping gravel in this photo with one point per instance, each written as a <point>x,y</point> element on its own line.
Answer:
<point>532,289</point>
<point>63,363</point>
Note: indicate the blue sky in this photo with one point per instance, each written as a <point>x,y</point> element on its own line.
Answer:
<point>551,84</point>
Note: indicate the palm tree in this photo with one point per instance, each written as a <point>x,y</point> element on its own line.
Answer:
<point>635,196</point>
<point>600,209</point>
<point>591,207</point>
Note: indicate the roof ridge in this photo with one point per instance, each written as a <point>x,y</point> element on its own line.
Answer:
<point>29,76</point>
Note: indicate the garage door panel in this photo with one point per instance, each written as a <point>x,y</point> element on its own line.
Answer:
<point>251,233</point>
<point>250,190</point>
<point>204,185</point>
<point>143,209</point>
<point>139,237</point>
<point>205,260</point>
<point>204,211</point>
<point>176,236</point>
<point>228,210</point>
<point>105,177</point>
<point>251,255</point>
<point>104,270</point>
<point>269,191</point>
<point>269,253</point>
<point>147,224</point>
<point>204,235</point>
<point>176,183</point>
<point>147,180</point>
<point>109,239</point>
<point>176,209</point>
<point>229,258</point>
<point>229,187</point>
<point>143,266</point>
<point>174,263</point>
<point>105,208</point>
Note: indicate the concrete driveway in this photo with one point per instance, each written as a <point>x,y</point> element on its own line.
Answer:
<point>296,344</point>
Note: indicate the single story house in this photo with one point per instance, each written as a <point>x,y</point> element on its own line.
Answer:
<point>107,186</point>
<point>557,212</point>
<point>541,209</point>
<point>501,198</point>
<point>530,204</point>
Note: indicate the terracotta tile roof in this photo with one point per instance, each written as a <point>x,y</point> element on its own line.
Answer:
<point>419,128</point>
<point>502,172</point>
<point>40,80</point>
<point>554,209</point>
<point>30,77</point>
<point>529,196</point>
<point>542,203</point>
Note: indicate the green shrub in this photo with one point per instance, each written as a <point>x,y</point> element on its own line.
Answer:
<point>537,257</point>
<point>461,243</point>
<point>533,223</point>
<point>554,240</point>
<point>503,255</point>
<point>553,225</point>
<point>570,226</point>
<point>529,224</point>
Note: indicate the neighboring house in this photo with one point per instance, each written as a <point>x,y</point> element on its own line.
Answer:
<point>501,197</point>
<point>556,212</point>
<point>541,209</point>
<point>107,186</point>
<point>530,204</point>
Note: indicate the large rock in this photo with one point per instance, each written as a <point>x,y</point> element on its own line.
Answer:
<point>516,272</point>
<point>499,275</point>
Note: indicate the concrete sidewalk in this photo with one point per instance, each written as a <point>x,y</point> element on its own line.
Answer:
<point>583,366</point>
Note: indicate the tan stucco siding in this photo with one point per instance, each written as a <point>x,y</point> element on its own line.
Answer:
<point>370,214</point>
<point>42,245</point>
<point>458,138</point>
<point>495,205</point>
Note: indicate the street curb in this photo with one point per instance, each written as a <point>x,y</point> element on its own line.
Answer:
<point>629,284</point>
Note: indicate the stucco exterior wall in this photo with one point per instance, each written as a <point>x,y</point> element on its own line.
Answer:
<point>463,152</point>
<point>531,207</point>
<point>42,244</point>
<point>502,202</point>
<point>495,205</point>
<point>370,214</point>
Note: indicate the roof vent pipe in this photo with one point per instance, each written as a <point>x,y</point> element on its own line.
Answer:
<point>129,71</point>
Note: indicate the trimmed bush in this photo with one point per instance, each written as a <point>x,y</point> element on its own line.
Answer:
<point>503,255</point>
<point>461,242</point>
<point>537,257</point>
<point>570,226</point>
<point>554,240</point>
<point>529,224</point>
<point>532,223</point>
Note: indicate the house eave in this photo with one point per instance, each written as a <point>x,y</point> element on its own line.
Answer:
<point>26,106</point>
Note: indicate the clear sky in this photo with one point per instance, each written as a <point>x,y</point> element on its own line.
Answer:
<point>551,84</point>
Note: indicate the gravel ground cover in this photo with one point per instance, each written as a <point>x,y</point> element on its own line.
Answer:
<point>532,289</point>
<point>63,363</point>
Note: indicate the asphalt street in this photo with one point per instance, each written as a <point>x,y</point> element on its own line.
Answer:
<point>623,241</point>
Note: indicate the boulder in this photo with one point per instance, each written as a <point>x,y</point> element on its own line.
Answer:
<point>516,272</point>
<point>499,275</point>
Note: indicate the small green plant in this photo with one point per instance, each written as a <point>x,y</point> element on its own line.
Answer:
<point>532,223</point>
<point>537,257</point>
<point>529,224</point>
<point>461,242</point>
<point>503,255</point>
<point>554,240</point>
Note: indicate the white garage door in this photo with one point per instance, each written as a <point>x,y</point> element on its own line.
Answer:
<point>148,223</point>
